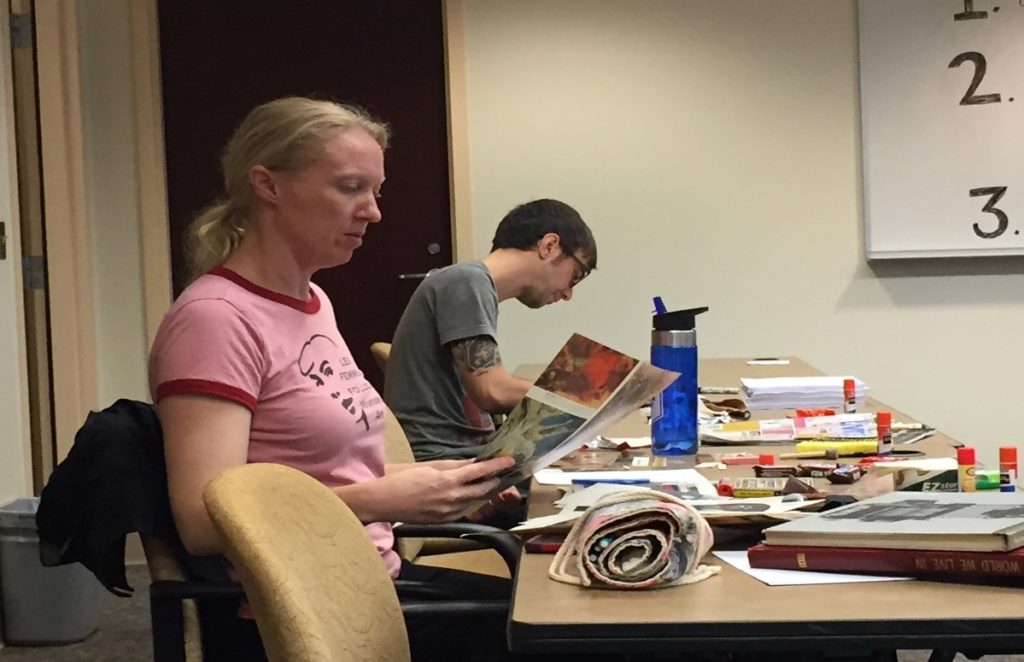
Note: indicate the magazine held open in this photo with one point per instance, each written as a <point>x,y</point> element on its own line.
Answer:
<point>586,388</point>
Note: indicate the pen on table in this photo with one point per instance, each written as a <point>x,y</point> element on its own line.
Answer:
<point>587,482</point>
<point>659,306</point>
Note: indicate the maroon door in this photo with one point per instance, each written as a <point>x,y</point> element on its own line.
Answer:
<point>219,59</point>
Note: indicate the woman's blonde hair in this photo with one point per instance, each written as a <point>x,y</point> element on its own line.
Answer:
<point>284,134</point>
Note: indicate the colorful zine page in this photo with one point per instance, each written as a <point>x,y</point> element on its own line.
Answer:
<point>585,389</point>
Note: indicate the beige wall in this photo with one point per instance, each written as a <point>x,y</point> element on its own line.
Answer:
<point>714,149</point>
<point>112,194</point>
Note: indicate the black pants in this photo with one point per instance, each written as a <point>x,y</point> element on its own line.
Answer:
<point>466,637</point>
<point>230,638</point>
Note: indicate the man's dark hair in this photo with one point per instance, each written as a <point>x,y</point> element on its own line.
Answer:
<point>524,226</point>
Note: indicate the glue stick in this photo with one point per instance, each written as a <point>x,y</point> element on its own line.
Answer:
<point>849,396</point>
<point>883,422</point>
<point>965,468</point>
<point>1007,468</point>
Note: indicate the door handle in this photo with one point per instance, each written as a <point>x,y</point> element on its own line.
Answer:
<point>419,276</point>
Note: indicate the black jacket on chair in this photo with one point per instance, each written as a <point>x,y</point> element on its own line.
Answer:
<point>112,483</point>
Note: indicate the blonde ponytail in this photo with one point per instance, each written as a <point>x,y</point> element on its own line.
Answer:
<point>212,236</point>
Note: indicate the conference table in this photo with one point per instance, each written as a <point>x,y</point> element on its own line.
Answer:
<point>735,612</point>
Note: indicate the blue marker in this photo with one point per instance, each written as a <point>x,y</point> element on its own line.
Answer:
<point>659,306</point>
<point>587,482</point>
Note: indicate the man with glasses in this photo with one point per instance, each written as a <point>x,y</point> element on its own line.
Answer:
<point>444,377</point>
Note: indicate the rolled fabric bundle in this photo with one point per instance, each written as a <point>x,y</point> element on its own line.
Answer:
<point>635,540</point>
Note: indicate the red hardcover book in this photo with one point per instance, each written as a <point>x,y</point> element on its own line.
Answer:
<point>888,561</point>
<point>544,543</point>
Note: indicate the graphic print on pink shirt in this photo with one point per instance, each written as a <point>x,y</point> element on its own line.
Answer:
<point>317,362</point>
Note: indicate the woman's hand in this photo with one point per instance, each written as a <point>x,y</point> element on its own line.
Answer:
<point>424,493</point>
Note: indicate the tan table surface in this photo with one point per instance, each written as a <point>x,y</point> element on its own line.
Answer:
<point>736,611</point>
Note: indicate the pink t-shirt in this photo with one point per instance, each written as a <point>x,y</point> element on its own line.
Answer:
<point>284,360</point>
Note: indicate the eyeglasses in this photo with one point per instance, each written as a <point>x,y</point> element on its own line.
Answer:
<point>583,272</point>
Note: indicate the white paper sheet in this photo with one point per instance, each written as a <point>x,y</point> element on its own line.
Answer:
<point>540,523</point>
<point>771,577</point>
<point>683,477</point>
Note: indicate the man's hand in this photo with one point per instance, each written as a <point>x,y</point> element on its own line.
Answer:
<point>506,501</point>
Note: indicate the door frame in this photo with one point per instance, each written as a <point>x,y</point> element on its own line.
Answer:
<point>69,272</point>
<point>460,190</point>
<point>16,478</point>
<point>69,246</point>
<point>32,245</point>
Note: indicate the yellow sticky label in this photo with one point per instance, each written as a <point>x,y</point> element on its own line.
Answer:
<point>748,494</point>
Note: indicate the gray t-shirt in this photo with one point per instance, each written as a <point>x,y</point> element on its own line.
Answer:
<point>422,385</point>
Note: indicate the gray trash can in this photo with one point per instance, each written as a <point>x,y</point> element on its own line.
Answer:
<point>41,606</point>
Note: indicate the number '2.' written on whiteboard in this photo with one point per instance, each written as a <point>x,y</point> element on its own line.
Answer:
<point>994,193</point>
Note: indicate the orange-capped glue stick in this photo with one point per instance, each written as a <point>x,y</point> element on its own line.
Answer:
<point>1007,468</point>
<point>849,396</point>
<point>883,422</point>
<point>965,468</point>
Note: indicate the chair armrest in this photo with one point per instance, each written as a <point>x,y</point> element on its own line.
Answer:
<point>454,608</point>
<point>411,589</point>
<point>167,612</point>
<point>507,545</point>
<point>186,590</point>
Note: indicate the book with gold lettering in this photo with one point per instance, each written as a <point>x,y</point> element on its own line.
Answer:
<point>915,562</point>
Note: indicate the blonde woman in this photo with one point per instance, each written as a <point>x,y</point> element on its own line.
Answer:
<point>249,365</point>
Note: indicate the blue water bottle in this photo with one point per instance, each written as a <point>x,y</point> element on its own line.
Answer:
<point>674,414</point>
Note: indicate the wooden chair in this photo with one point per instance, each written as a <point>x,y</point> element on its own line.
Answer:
<point>381,351</point>
<point>313,576</point>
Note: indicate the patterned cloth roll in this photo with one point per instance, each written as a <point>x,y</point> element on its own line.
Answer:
<point>635,540</point>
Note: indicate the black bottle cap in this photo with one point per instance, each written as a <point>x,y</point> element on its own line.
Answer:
<point>678,320</point>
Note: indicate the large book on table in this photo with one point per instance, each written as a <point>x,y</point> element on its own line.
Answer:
<point>949,521</point>
<point>915,562</point>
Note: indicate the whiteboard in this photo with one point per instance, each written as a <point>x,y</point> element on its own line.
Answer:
<point>942,125</point>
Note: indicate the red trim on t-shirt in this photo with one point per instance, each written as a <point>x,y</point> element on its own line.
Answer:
<point>205,387</point>
<point>311,306</point>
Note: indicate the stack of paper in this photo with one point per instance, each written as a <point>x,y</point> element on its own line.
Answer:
<point>787,430</point>
<point>799,392</point>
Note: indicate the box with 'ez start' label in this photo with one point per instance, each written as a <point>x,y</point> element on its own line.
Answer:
<point>929,475</point>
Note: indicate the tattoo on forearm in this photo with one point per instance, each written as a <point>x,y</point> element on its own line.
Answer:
<point>478,355</point>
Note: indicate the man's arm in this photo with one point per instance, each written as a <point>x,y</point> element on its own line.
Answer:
<point>488,384</point>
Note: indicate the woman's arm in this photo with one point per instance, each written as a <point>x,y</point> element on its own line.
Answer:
<point>422,493</point>
<point>203,437</point>
<point>440,465</point>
